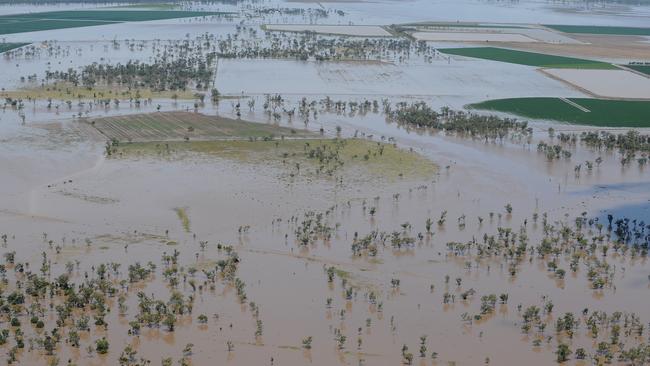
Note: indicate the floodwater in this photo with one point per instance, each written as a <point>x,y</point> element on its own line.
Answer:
<point>358,30</point>
<point>97,209</point>
<point>472,37</point>
<point>606,83</point>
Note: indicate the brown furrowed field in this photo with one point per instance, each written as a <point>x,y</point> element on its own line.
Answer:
<point>175,126</point>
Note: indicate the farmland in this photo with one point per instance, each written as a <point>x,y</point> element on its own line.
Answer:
<point>593,29</point>
<point>526,58</point>
<point>602,112</point>
<point>177,126</point>
<point>444,25</point>
<point>615,84</point>
<point>645,69</point>
<point>471,37</point>
<point>33,22</point>
<point>4,47</point>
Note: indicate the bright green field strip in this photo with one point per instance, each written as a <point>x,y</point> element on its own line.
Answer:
<point>4,47</point>
<point>42,25</point>
<point>640,68</point>
<point>33,22</point>
<point>603,112</point>
<point>595,29</point>
<point>526,58</point>
<point>111,15</point>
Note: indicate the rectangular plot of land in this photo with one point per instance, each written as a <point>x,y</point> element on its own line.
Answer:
<point>10,46</point>
<point>472,37</point>
<point>526,58</point>
<point>33,22</point>
<point>595,29</point>
<point>606,83</point>
<point>178,126</point>
<point>602,112</point>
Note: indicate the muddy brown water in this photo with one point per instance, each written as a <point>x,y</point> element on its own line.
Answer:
<point>56,180</point>
<point>288,282</point>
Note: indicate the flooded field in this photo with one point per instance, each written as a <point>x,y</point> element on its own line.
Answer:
<point>242,190</point>
<point>359,30</point>
<point>606,83</point>
<point>471,37</point>
<point>490,33</point>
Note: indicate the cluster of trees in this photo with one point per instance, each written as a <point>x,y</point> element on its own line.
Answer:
<point>311,13</point>
<point>631,145</point>
<point>421,115</point>
<point>618,336</point>
<point>631,141</point>
<point>164,73</point>
<point>303,46</point>
<point>45,308</point>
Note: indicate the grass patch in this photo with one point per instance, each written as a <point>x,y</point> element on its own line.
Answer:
<point>28,25</point>
<point>4,47</point>
<point>184,217</point>
<point>33,22</point>
<point>603,112</point>
<point>596,29</point>
<point>351,159</point>
<point>526,58</point>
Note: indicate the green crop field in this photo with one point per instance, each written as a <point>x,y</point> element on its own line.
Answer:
<point>602,112</point>
<point>595,29</point>
<point>4,47</point>
<point>640,68</point>
<point>33,22</point>
<point>526,58</point>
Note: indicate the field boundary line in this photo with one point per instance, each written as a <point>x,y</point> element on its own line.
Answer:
<point>634,71</point>
<point>566,82</point>
<point>574,104</point>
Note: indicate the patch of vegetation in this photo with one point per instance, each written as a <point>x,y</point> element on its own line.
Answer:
<point>64,91</point>
<point>4,47</point>
<point>32,22</point>
<point>181,212</point>
<point>34,25</point>
<point>603,112</point>
<point>645,69</point>
<point>527,58</point>
<point>306,45</point>
<point>459,123</point>
<point>597,29</point>
<point>187,69</point>
<point>301,157</point>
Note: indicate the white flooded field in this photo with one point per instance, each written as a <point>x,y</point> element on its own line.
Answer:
<point>471,37</point>
<point>350,30</point>
<point>606,83</point>
<point>457,82</point>
<point>490,33</point>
